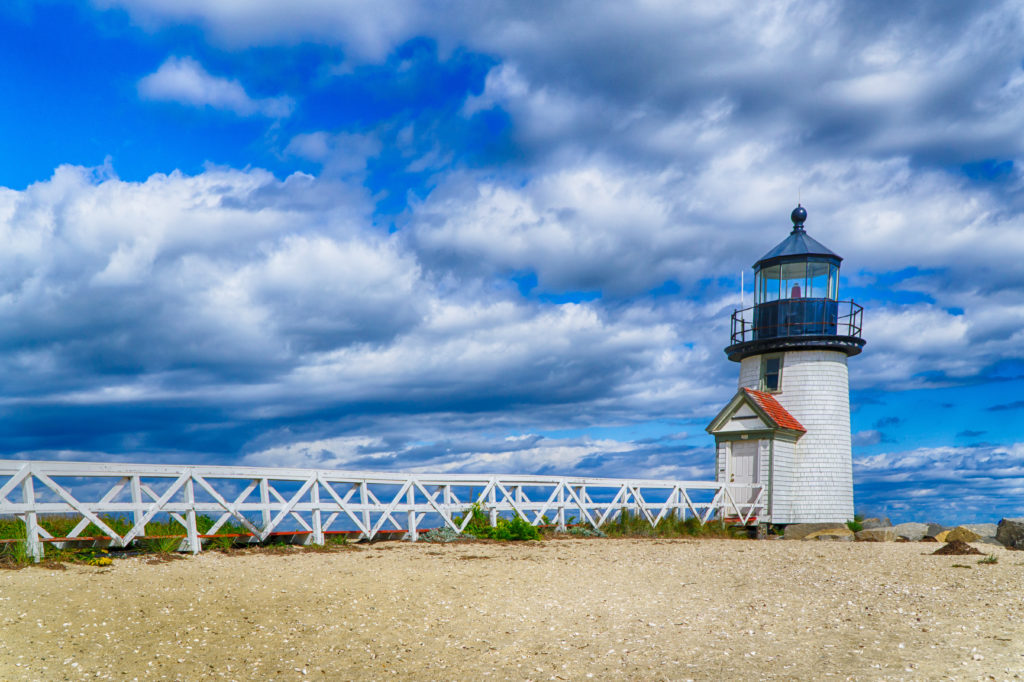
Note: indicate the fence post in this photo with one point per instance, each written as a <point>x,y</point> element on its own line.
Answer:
<point>192,533</point>
<point>447,504</point>
<point>579,495</point>
<point>364,499</point>
<point>137,511</point>
<point>560,518</point>
<point>264,506</point>
<point>410,499</point>
<point>33,547</point>
<point>492,500</point>
<point>318,528</point>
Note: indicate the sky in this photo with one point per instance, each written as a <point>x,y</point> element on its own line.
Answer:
<point>504,236</point>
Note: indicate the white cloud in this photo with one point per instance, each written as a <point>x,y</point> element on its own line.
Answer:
<point>271,299</point>
<point>340,154</point>
<point>945,484</point>
<point>469,454</point>
<point>869,437</point>
<point>654,142</point>
<point>368,30</point>
<point>183,80</point>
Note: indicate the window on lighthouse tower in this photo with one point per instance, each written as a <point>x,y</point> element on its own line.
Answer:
<point>771,373</point>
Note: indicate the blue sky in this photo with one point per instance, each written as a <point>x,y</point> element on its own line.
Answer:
<point>503,236</point>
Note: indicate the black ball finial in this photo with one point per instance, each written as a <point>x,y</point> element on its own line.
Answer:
<point>798,216</point>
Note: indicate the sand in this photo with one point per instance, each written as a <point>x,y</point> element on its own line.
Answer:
<point>560,609</point>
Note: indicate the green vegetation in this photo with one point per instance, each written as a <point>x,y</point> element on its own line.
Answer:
<point>671,526</point>
<point>161,537</point>
<point>990,559</point>
<point>337,540</point>
<point>857,524</point>
<point>586,532</point>
<point>14,554</point>
<point>442,534</point>
<point>166,536</point>
<point>479,526</point>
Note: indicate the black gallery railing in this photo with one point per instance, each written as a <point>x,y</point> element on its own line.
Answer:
<point>797,317</point>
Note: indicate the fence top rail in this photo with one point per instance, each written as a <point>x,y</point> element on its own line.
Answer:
<point>9,467</point>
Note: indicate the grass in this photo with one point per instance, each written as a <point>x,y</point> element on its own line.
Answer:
<point>856,524</point>
<point>633,525</point>
<point>159,536</point>
<point>990,559</point>
<point>14,555</point>
<point>165,537</point>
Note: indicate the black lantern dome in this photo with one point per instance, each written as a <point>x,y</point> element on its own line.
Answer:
<point>796,301</point>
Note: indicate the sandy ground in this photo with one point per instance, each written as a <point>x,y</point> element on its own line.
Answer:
<point>561,609</point>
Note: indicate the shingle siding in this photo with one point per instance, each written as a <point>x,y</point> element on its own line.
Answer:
<point>813,479</point>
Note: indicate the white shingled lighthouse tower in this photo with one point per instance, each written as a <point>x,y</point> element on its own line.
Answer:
<point>788,426</point>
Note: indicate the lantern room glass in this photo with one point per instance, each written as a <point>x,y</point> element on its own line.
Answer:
<point>802,279</point>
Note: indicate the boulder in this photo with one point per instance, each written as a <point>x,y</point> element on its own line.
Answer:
<point>962,534</point>
<point>833,535</point>
<point>801,531</point>
<point>988,541</point>
<point>882,534</point>
<point>934,529</point>
<point>938,537</point>
<point>984,530</point>
<point>1010,533</point>
<point>871,524</point>
<point>910,531</point>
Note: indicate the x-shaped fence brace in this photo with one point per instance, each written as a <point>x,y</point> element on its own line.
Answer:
<point>313,500</point>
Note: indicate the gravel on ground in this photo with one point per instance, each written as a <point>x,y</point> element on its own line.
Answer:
<point>555,610</point>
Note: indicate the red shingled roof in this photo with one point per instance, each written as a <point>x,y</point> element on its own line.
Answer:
<point>774,410</point>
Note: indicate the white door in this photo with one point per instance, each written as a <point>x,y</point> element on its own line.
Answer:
<point>746,470</point>
<point>744,462</point>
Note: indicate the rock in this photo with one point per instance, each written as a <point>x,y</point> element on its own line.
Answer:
<point>957,547</point>
<point>834,535</point>
<point>871,524</point>
<point>910,531</point>
<point>1010,533</point>
<point>801,531</point>
<point>962,534</point>
<point>941,536</point>
<point>880,534</point>
<point>988,541</point>
<point>934,529</point>
<point>984,530</point>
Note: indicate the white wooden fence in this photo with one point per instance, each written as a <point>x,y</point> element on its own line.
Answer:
<point>308,503</point>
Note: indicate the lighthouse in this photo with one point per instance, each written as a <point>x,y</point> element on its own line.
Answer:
<point>787,428</point>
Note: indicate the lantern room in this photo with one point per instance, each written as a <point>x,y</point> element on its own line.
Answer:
<point>796,300</point>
